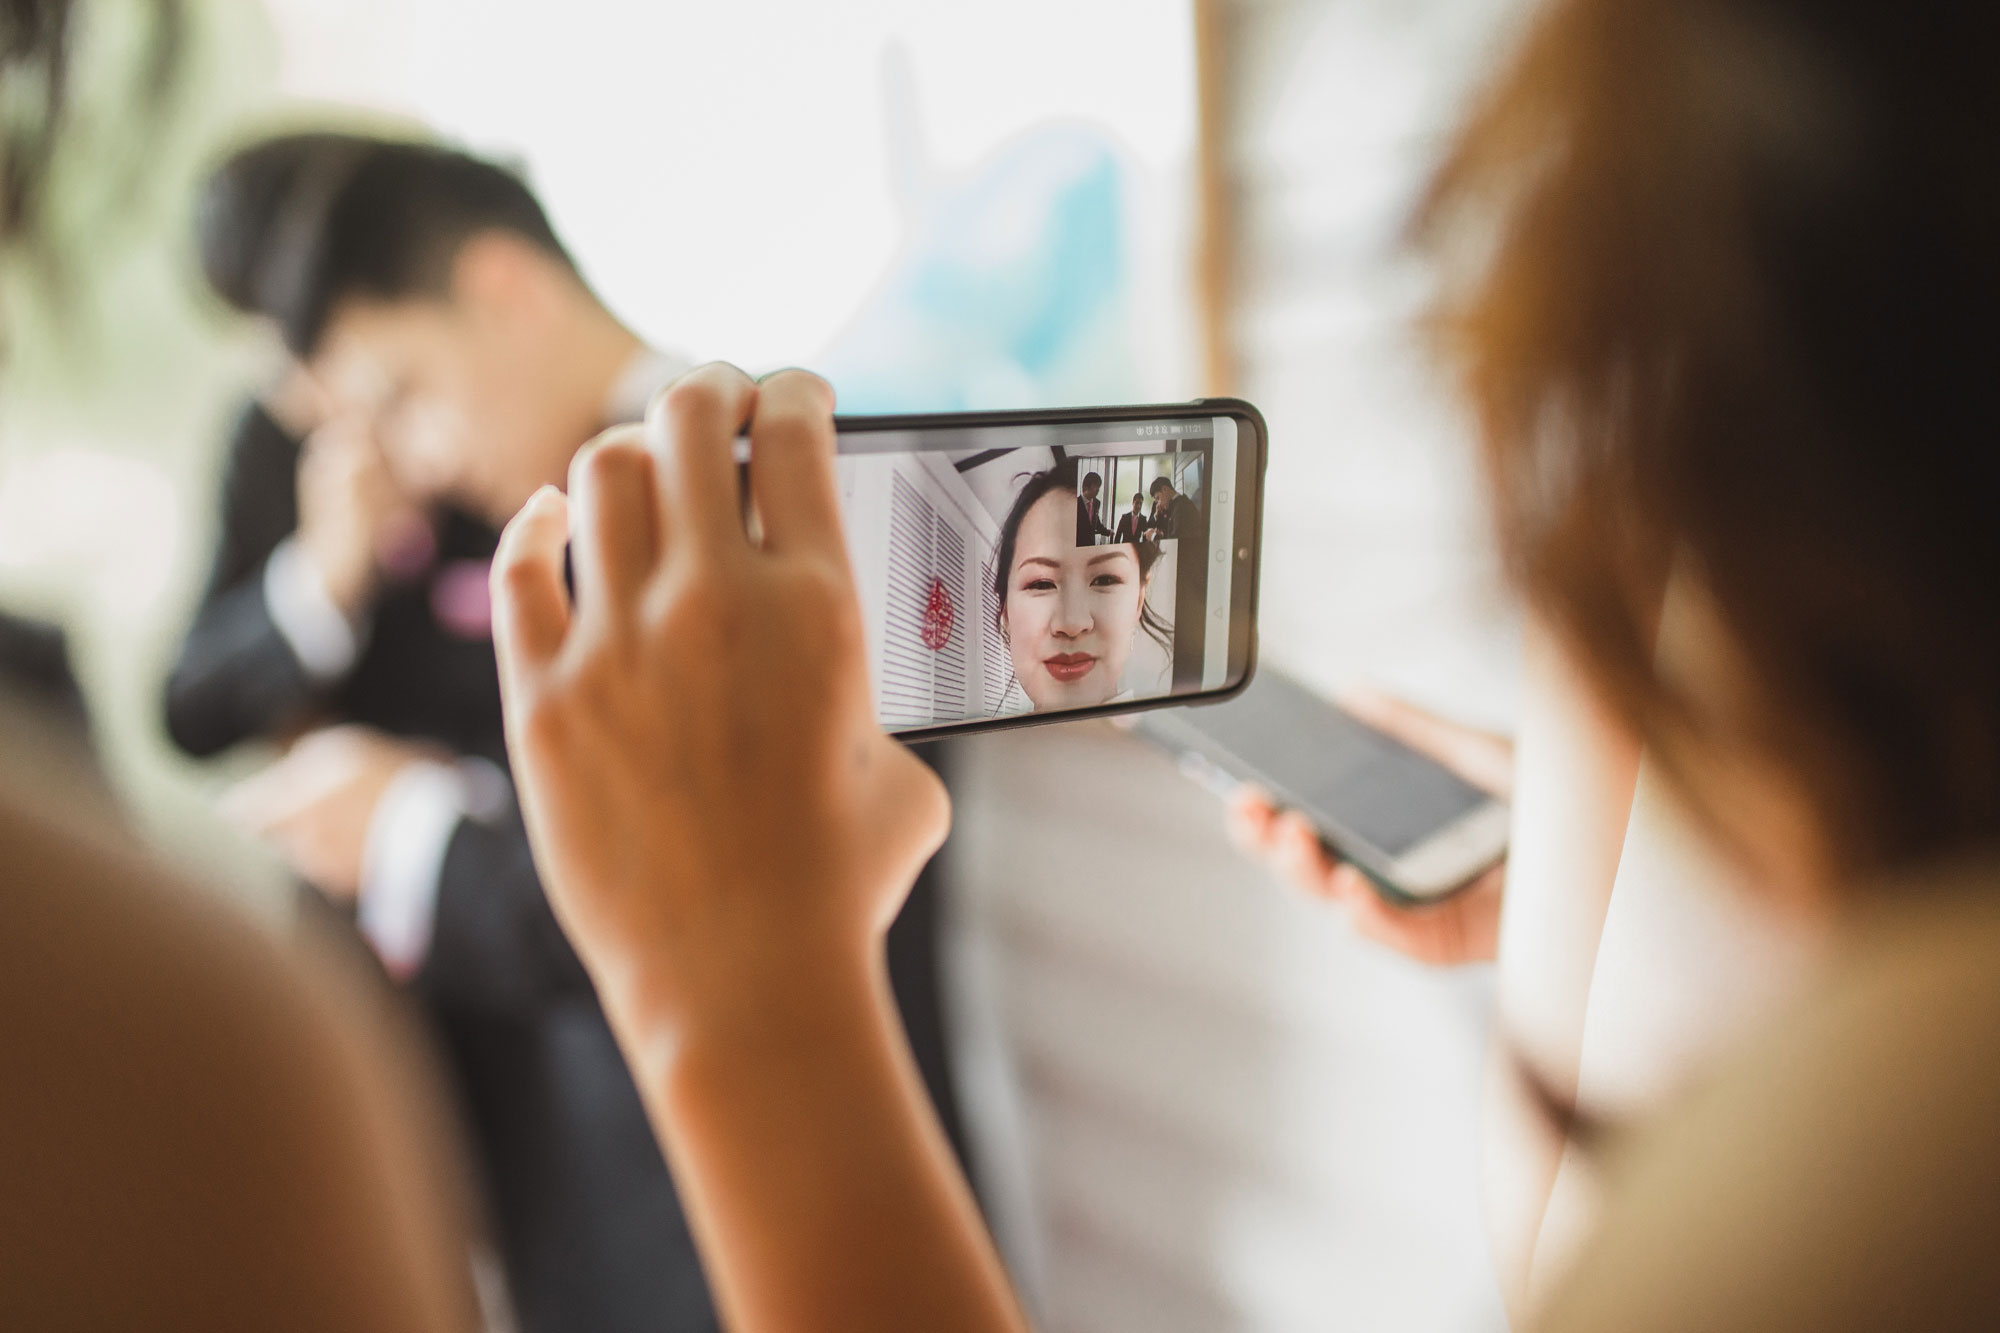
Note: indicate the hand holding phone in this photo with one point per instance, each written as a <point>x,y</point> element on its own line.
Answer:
<point>1461,928</point>
<point>1415,805</point>
<point>690,667</point>
<point>725,832</point>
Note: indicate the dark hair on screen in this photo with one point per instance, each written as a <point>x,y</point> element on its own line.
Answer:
<point>1062,477</point>
<point>1721,278</point>
<point>291,226</point>
<point>1159,484</point>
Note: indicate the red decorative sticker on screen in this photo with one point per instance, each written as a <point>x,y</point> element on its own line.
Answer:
<point>939,616</point>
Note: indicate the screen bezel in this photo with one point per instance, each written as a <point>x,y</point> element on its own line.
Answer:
<point>1247,542</point>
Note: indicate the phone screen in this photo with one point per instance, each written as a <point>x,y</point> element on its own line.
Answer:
<point>1335,768</point>
<point>1043,567</point>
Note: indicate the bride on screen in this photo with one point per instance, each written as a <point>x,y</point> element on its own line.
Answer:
<point>1067,612</point>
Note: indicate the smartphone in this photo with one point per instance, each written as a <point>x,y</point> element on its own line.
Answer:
<point>1416,829</point>
<point>1019,567</point>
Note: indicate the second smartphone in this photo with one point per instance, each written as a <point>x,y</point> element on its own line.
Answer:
<point>1416,829</point>
<point>1021,566</point>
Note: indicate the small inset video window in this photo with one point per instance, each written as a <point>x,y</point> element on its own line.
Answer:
<point>1137,498</point>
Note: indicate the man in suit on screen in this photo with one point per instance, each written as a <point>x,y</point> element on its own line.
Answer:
<point>1089,511</point>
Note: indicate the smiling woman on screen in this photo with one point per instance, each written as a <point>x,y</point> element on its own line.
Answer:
<point>1069,612</point>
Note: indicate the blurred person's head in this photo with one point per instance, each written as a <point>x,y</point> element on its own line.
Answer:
<point>1138,502</point>
<point>1721,279</point>
<point>1161,490</point>
<point>428,293</point>
<point>1092,484</point>
<point>1068,612</point>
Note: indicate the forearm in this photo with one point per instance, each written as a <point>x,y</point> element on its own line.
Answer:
<point>1533,1185</point>
<point>819,1184</point>
<point>1518,1159</point>
<point>1574,780</point>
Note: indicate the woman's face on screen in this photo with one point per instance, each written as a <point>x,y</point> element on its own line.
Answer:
<point>1071,610</point>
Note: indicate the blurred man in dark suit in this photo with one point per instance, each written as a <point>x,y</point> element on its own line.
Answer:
<point>450,361</point>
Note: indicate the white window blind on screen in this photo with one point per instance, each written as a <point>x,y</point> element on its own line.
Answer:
<point>922,547</point>
<point>923,649</point>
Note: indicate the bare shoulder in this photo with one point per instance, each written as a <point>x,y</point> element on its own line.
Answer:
<point>197,1135</point>
<point>1845,1171</point>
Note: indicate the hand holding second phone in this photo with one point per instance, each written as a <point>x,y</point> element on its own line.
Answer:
<point>1463,928</point>
<point>718,818</point>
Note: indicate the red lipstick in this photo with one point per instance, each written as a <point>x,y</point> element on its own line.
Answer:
<point>1070,666</point>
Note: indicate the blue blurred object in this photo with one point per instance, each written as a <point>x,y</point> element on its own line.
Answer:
<point>1013,289</point>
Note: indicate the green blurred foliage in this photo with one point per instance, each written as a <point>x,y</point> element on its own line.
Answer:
<point>112,349</point>
<point>106,328</point>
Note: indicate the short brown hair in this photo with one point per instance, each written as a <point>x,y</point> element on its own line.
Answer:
<point>1722,278</point>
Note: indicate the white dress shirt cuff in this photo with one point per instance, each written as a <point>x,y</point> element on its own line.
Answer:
<point>402,860</point>
<point>320,635</point>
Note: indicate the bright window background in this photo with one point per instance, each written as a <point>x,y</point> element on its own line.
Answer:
<point>736,178</point>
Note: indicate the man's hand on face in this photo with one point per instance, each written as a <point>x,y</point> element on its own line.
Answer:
<point>315,804</point>
<point>350,510</point>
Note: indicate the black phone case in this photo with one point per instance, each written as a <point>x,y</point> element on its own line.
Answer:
<point>1062,416</point>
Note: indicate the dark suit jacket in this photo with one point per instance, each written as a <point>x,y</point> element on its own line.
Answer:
<point>1089,527</point>
<point>1180,518</point>
<point>1132,527</point>
<point>582,1205</point>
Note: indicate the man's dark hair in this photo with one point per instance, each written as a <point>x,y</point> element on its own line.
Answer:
<point>1159,484</point>
<point>1092,479</point>
<point>291,226</point>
